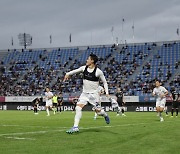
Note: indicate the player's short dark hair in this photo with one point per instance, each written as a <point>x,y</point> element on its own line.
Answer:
<point>158,80</point>
<point>94,57</point>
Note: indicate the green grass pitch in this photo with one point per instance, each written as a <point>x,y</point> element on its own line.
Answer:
<point>22,132</point>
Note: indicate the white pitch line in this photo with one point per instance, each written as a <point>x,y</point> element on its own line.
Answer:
<point>29,126</point>
<point>85,128</point>
<point>20,138</point>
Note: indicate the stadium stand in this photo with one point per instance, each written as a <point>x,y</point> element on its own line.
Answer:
<point>134,67</point>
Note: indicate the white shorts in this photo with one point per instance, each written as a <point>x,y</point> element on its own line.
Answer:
<point>161,103</point>
<point>115,105</point>
<point>49,103</point>
<point>92,98</point>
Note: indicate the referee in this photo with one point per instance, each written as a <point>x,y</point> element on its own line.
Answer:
<point>175,104</point>
<point>120,95</point>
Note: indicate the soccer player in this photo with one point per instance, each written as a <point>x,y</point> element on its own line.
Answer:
<point>60,102</point>
<point>115,106</point>
<point>120,100</point>
<point>48,98</point>
<point>166,110</point>
<point>36,105</point>
<point>161,93</point>
<point>175,103</point>
<point>91,76</point>
<point>55,102</point>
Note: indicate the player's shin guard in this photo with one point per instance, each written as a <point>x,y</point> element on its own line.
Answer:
<point>77,116</point>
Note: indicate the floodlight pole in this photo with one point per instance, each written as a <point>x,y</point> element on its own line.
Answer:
<point>24,40</point>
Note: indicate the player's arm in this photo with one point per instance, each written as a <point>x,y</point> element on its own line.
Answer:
<point>154,93</point>
<point>123,99</point>
<point>76,71</point>
<point>165,93</point>
<point>102,77</point>
<point>51,96</point>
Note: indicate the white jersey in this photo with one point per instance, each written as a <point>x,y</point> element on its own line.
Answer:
<point>47,95</point>
<point>158,92</point>
<point>91,86</point>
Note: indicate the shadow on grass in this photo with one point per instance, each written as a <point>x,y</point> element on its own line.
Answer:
<point>95,130</point>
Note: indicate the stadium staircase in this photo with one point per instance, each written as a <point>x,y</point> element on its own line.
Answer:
<point>154,51</point>
<point>115,50</point>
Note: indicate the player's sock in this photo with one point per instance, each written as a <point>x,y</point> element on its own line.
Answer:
<point>102,113</point>
<point>122,111</point>
<point>172,110</point>
<point>95,115</point>
<point>166,112</point>
<point>119,110</point>
<point>47,110</point>
<point>176,112</point>
<point>77,116</point>
<point>161,118</point>
<point>54,109</point>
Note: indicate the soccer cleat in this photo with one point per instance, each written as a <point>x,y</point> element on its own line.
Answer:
<point>123,115</point>
<point>117,114</point>
<point>107,119</point>
<point>73,130</point>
